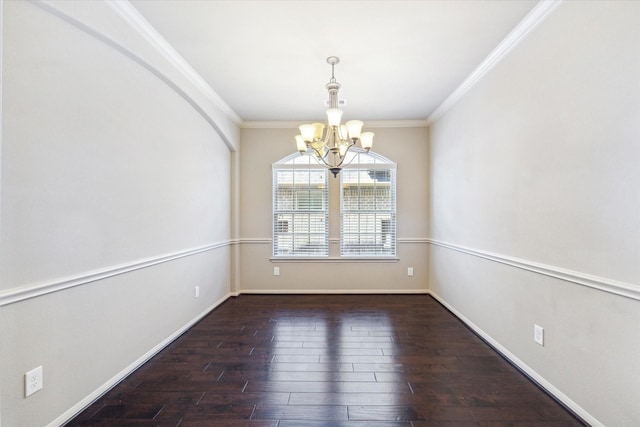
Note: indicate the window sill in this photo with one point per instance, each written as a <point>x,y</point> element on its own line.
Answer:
<point>368,259</point>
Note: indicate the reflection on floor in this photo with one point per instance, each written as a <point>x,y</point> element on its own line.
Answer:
<point>327,360</point>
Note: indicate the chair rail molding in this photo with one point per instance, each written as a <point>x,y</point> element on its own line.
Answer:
<point>604,284</point>
<point>14,295</point>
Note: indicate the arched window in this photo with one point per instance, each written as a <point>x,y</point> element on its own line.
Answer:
<point>368,206</point>
<point>300,207</point>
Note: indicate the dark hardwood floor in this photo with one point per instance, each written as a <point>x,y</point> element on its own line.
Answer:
<point>327,360</point>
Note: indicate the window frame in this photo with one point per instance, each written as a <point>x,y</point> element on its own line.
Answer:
<point>297,213</point>
<point>378,235</point>
<point>307,162</point>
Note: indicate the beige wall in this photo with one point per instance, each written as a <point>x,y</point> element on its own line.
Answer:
<point>260,148</point>
<point>535,204</point>
<point>119,196</point>
<point>115,206</point>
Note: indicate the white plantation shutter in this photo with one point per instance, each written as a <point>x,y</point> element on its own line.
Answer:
<point>368,206</point>
<point>300,208</point>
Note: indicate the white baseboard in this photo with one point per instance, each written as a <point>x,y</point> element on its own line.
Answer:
<point>541,381</point>
<point>332,291</point>
<point>100,391</point>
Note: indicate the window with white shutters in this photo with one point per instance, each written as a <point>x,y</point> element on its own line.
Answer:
<point>368,206</point>
<point>300,208</point>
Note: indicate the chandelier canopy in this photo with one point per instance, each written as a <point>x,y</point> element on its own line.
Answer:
<point>330,144</point>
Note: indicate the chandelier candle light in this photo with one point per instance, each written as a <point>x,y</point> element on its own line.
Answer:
<point>330,147</point>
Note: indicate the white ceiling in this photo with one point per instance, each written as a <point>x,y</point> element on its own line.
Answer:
<point>399,60</point>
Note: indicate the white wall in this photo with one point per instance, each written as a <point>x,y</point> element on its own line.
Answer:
<point>260,148</point>
<point>115,204</point>
<point>535,176</point>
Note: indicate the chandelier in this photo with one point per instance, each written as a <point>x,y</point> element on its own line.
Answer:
<point>330,147</point>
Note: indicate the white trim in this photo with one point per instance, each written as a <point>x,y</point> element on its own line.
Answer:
<point>365,258</point>
<point>616,287</point>
<point>550,388</point>
<point>380,162</point>
<point>131,16</point>
<point>413,240</point>
<point>332,240</point>
<point>369,124</point>
<point>332,291</point>
<point>50,8</point>
<point>254,240</point>
<point>96,394</point>
<point>1,112</point>
<point>537,15</point>
<point>22,293</point>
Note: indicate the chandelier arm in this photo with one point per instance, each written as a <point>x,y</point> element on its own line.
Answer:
<point>319,157</point>
<point>345,156</point>
<point>330,145</point>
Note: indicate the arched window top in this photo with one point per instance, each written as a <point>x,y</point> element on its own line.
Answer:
<point>296,159</point>
<point>367,206</point>
<point>357,158</point>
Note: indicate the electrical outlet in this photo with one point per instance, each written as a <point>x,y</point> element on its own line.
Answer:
<point>276,271</point>
<point>538,334</point>
<point>32,381</point>
<point>410,271</point>
<point>197,291</point>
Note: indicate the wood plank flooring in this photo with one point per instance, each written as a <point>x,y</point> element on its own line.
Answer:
<point>327,360</point>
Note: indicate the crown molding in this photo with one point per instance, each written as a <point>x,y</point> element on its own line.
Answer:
<point>537,15</point>
<point>53,9</point>
<point>136,21</point>
<point>369,124</point>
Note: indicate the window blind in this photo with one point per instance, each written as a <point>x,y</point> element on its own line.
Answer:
<point>300,211</point>
<point>368,211</point>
